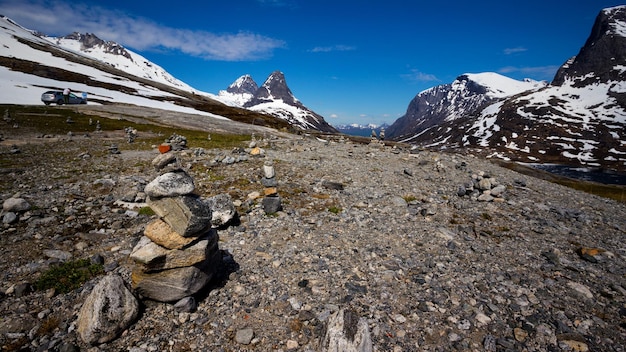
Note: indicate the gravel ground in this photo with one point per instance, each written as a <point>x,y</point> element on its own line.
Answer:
<point>379,230</point>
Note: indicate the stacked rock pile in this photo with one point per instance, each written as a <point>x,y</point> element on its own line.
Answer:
<point>482,188</point>
<point>272,202</point>
<point>178,254</point>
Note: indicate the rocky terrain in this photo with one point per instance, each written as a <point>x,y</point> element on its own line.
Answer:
<point>433,251</point>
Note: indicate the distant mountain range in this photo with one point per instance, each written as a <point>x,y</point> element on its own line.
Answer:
<point>578,119</point>
<point>361,130</point>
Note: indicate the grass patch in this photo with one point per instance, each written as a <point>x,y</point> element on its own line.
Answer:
<point>334,209</point>
<point>51,120</point>
<point>146,211</point>
<point>409,198</point>
<point>68,276</point>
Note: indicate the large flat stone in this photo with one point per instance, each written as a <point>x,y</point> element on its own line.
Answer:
<point>170,184</point>
<point>162,234</point>
<point>174,284</point>
<point>151,257</point>
<point>187,215</point>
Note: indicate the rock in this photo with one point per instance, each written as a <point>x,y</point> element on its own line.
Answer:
<point>346,332</point>
<point>108,310</point>
<point>186,305</point>
<point>484,184</point>
<point>461,191</point>
<point>15,205</point>
<point>498,190</point>
<point>186,215</point>
<point>174,284</point>
<point>222,209</point>
<point>162,234</point>
<point>9,218</point>
<point>170,184</point>
<point>270,191</point>
<point>272,205</point>
<point>57,254</point>
<point>163,160</point>
<point>152,257</point>
<point>244,336</point>
<point>332,185</point>
<point>269,182</point>
<point>580,289</point>
<point>268,170</point>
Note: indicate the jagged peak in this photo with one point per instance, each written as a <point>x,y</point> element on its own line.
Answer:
<point>90,41</point>
<point>243,85</point>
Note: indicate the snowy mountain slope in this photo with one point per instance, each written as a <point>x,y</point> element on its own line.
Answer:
<point>578,119</point>
<point>467,94</point>
<point>117,56</point>
<point>274,98</point>
<point>31,64</point>
<point>239,92</point>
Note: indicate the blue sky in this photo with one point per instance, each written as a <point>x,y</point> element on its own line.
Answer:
<point>350,61</point>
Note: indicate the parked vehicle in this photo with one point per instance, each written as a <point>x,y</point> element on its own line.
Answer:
<point>56,97</point>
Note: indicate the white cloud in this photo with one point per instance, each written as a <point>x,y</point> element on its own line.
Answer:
<point>325,49</point>
<point>334,116</point>
<point>418,76</point>
<point>509,51</point>
<point>61,18</point>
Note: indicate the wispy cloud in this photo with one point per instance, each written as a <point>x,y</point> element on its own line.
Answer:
<point>510,51</point>
<point>418,76</point>
<point>538,72</point>
<point>325,49</point>
<point>60,18</point>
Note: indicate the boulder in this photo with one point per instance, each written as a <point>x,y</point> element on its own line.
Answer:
<point>175,284</point>
<point>170,184</point>
<point>108,310</point>
<point>186,215</point>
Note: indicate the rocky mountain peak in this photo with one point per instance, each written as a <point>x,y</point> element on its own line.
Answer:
<point>90,41</point>
<point>243,85</point>
<point>274,88</point>
<point>603,51</point>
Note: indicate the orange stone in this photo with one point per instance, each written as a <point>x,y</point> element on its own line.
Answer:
<point>164,148</point>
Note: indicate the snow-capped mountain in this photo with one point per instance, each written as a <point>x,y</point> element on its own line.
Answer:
<point>356,129</point>
<point>577,119</point>
<point>467,94</point>
<point>274,98</point>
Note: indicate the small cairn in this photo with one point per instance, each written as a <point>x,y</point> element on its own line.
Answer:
<point>482,188</point>
<point>272,202</point>
<point>178,254</point>
<point>131,134</point>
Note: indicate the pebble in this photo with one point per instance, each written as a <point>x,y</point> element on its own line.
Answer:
<point>244,336</point>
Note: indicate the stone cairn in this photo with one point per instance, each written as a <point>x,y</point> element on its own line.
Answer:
<point>482,188</point>
<point>272,202</point>
<point>178,254</point>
